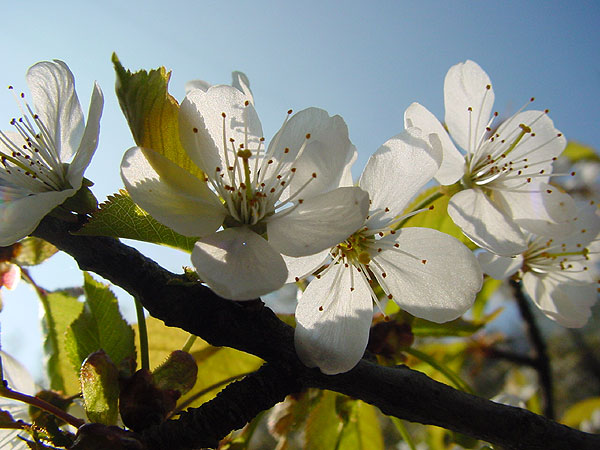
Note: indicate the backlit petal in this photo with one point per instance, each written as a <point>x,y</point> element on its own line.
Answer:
<point>238,264</point>
<point>333,318</point>
<point>395,173</point>
<point>452,167</point>
<point>482,222</point>
<point>431,274</point>
<point>170,194</point>
<point>466,87</point>
<point>319,222</point>
<point>54,98</point>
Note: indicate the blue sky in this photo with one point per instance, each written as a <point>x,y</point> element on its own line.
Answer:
<point>366,61</point>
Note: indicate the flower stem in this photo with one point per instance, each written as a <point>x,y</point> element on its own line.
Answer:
<point>41,404</point>
<point>453,377</point>
<point>143,331</point>
<point>188,344</point>
<point>540,353</point>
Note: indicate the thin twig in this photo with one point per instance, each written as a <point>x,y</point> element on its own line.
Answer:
<point>41,404</point>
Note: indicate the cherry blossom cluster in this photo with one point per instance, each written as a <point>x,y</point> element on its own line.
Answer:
<point>267,213</point>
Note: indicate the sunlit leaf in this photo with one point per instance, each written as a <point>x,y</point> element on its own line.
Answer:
<point>152,113</point>
<point>323,425</point>
<point>216,365</point>
<point>99,326</point>
<point>576,152</point>
<point>363,431</point>
<point>437,217</point>
<point>580,412</point>
<point>100,388</point>
<point>61,308</point>
<point>33,251</point>
<point>340,422</point>
<point>457,327</point>
<point>120,217</point>
<point>490,286</point>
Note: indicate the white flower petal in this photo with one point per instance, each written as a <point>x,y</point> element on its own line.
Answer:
<point>16,375</point>
<point>328,150</point>
<point>452,167</point>
<point>499,267</point>
<point>395,173</point>
<point>566,303</point>
<point>541,209</point>
<point>303,266</point>
<point>319,222</point>
<point>466,86</point>
<point>240,81</point>
<point>201,126</point>
<point>238,264</point>
<point>18,218</point>
<point>89,141</point>
<point>484,224</point>
<point>333,321</point>
<point>170,194</point>
<point>55,101</point>
<point>431,274</point>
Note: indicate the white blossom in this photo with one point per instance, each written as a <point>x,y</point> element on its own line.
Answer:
<point>428,273</point>
<point>503,177</point>
<point>256,202</point>
<point>45,154</point>
<point>560,275</point>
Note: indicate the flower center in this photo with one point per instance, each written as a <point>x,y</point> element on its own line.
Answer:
<point>254,178</point>
<point>29,155</point>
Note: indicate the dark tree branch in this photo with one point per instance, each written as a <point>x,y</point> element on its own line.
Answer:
<point>540,353</point>
<point>253,328</point>
<point>522,360</point>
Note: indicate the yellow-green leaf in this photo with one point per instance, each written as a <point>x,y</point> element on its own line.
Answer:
<point>577,151</point>
<point>61,308</point>
<point>580,411</point>
<point>152,113</point>
<point>216,365</point>
<point>120,217</point>
<point>437,217</point>
<point>100,388</point>
<point>33,251</point>
<point>339,422</point>
<point>99,326</point>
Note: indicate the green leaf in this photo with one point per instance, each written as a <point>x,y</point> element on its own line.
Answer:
<point>580,411</point>
<point>120,217</point>
<point>576,152</point>
<point>441,361</point>
<point>61,308</point>
<point>323,425</point>
<point>33,251</point>
<point>490,286</point>
<point>152,113</point>
<point>216,365</point>
<point>99,326</point>
<point>100,388</point>
<point>179,372</point>
<point>457,327</point>
<point>437,217</point>
<point>363,431</point>
<point>339,422</point>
